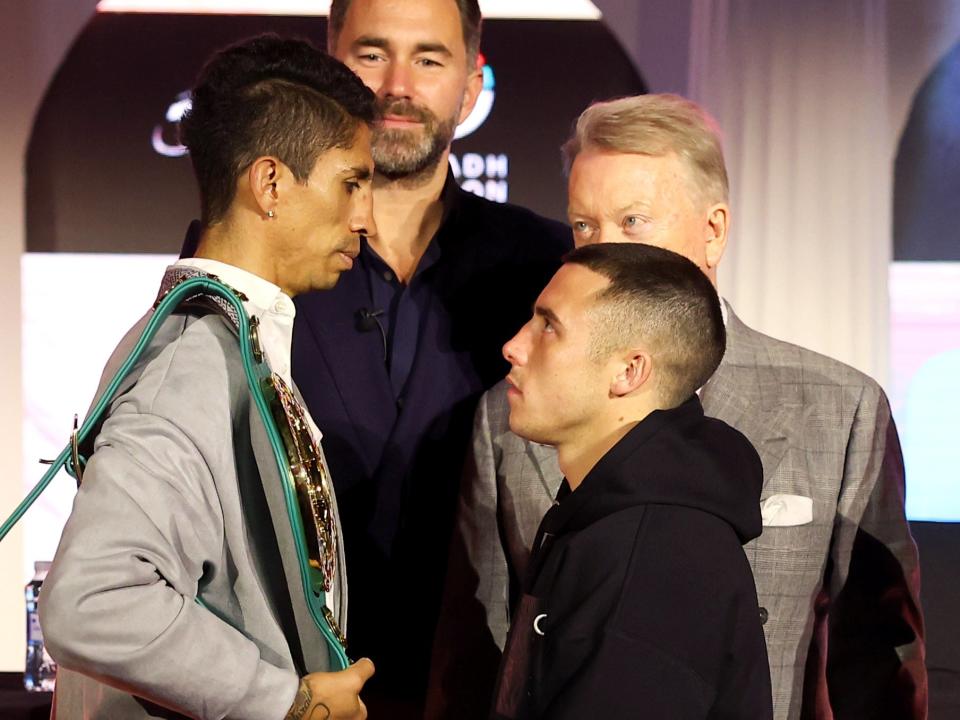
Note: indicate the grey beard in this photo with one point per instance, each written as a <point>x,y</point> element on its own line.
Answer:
<point>399,155</point>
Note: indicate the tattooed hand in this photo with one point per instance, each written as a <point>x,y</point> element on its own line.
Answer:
<point>305,708</point>
<point>332,696</point>
<point>301,703</point>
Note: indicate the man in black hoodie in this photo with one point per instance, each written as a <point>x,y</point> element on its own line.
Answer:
<point>639,601</point>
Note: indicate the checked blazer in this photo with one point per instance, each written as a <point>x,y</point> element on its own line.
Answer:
<point>838,589</point>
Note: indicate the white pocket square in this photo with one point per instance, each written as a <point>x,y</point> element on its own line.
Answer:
<point>786,510</point>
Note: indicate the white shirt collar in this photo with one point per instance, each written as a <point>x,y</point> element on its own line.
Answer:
<point>265,301</point>
<point>263,295</point>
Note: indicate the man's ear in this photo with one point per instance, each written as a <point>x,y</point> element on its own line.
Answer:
<point>634,373</point>
<point>718,225</point>
<point>263,177</point>
<point>471,92</point>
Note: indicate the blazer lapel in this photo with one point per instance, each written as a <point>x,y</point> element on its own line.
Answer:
<point>353,358</point>
<point>544,459</point>
<point>746,393</point>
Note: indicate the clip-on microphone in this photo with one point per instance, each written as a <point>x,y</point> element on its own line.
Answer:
<point>366,320</point>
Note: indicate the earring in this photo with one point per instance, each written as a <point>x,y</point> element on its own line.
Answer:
<point>270,213</point>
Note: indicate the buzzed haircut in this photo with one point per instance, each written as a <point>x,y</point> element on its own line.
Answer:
<point>268,96</point>
<point>471,22</point>
<point>656,125</point>
<point>661,301</point>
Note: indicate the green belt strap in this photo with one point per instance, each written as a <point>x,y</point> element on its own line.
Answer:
<point>257,372</point>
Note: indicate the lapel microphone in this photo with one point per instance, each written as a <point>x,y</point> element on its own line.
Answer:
<point>366,319</point>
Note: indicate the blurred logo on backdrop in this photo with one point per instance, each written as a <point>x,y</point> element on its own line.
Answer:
<point>165,138</point>
<point>481,111</point>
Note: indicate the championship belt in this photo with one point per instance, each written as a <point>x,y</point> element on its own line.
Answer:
<point>309,476</point>
<point>306,483</point>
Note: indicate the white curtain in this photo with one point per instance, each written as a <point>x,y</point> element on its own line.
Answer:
<point>800,91</point>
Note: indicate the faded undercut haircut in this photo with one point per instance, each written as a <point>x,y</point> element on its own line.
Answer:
<point>662,302</point>
<point>470,22</point>
<point>656,125</point>
<point>268,96</point>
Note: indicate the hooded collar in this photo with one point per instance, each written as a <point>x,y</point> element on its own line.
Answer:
<point>672,457</point>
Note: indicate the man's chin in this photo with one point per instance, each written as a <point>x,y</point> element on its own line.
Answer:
<point>400,147</point>
<point>327,282</point>
<point>527,430</point>
<point>400,154</point>
<point>398,166</point>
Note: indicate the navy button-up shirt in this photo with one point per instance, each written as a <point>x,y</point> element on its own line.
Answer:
<point>400,309</point>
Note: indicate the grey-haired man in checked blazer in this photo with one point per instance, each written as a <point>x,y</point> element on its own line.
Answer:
<point>836,568</point>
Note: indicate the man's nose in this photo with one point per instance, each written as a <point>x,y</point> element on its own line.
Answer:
<point>398,81</point>
<point>514,350</point>
<point>362,220</point>
<point>608,232</point>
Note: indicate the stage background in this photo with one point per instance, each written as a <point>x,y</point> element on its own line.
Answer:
<point>814,99</point>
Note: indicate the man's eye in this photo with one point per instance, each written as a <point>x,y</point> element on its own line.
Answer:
<point>428,62</point>
<point>352,185</point>
<point>370,57</point>
<point>580,227</point>
<point>634,222</point>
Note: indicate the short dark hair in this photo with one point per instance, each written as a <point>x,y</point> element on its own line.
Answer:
<point>268,96</point>
<point>470,21</point>
<point>663,300</point>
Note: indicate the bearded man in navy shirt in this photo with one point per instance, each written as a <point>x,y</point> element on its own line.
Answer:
<point>392,362</point>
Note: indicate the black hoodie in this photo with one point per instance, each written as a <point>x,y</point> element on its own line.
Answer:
<point>639,601</point>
